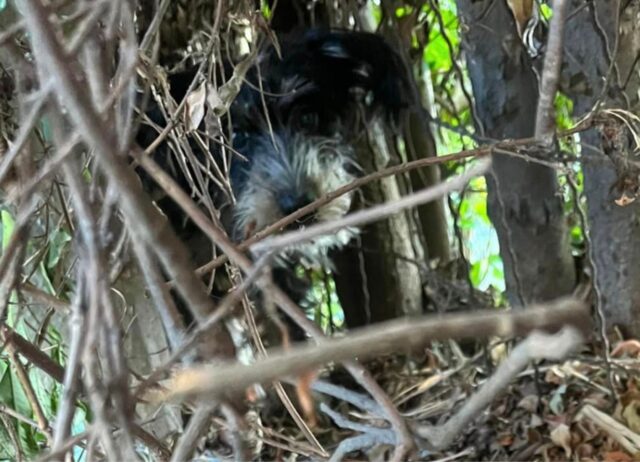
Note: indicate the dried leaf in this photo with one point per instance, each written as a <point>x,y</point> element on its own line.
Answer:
<point>533,436</point>
<point>617,456</point>
<point>624,200</point>
<point>506,439</point>
<point>561,436</point>
<point>195,107</point>
<point>631,416</point>
<point>214,102</point>
<point>627,347</point>
<point>554,376</point>
<point>585,450</point>
<point>536,421</point>
<point>305,398</point>
<point>522,11</point>
<point>499,353</point>
<point>529,403</point>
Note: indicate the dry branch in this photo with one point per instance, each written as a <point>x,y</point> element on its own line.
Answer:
<point>627,438</point>
<point>537,346</point>
<point>32,354</point>
<point>545,115</point>
<point>142,219</point>
<point>372,214</point>
<point>223,379</point>
<point>280,298</point>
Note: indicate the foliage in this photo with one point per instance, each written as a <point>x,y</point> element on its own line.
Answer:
<point>572,194</point>
<point>453,108</point>
<point>328,312</point>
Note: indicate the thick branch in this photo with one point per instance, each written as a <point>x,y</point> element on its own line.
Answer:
<point>384,338</point>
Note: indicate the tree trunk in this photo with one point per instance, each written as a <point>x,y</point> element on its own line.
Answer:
<point>615,231</point>
<point>523,200</point>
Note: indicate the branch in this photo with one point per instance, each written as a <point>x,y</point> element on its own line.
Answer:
<point>32,354</point>
<point>537,346</point>
<point>197,425</point>
<point>545,114</point>
<point>627,438</point>
<point>373,213</point>
<point>284,302</point>
<point>370,436</point>
<point>219,380</point>
<point>141,217</point>
<point>507,147</point>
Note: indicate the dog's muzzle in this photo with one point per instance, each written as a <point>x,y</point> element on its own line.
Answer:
<point>284,173</point>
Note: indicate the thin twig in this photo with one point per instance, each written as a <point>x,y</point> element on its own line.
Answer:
<point>25,382</point>
<point>373,213</point>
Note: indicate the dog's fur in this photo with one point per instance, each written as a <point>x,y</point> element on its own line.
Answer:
<point>296,120</point>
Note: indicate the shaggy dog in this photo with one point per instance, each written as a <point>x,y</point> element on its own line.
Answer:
<point>297,117</point>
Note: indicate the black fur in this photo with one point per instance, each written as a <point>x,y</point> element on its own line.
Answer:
<point>298,136</point>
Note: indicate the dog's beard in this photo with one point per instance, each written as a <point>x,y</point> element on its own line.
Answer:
<point>300,166</point>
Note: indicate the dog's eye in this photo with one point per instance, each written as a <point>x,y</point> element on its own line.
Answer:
<point>308,121</point>
<point>327,156</point>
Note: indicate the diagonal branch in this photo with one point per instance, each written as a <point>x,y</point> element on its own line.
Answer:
<point>383,338</point>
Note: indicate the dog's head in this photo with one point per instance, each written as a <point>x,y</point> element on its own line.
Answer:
<point>298,134</point>
<point>296,121</point>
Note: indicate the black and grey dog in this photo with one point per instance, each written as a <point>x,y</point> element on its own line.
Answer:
<point>295,121</point>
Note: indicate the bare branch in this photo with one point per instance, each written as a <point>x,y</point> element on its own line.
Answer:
<point>537,346</point>
<point>222,379</point>
<point>545,114</point>
<point>32,353</point>
<point>372,214</point>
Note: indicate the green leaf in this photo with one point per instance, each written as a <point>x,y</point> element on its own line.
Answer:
<point>57,242</point>
<point>546,11</point>
<point>8,226</point>
<point>11,392</point>
<point>265,9</point>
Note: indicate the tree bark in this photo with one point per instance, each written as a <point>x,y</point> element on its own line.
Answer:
<point>615,231</point>
<point>388,282</point>
<point>380,276</point>
<point>523,198</point>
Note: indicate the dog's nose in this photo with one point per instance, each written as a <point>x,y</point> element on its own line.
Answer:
<point>289,202</point>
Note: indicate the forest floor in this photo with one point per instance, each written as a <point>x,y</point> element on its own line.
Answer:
<point>585,408</point>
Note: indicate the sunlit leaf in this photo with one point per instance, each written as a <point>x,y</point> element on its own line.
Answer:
<point>8,225</point>
<point>58,240</point>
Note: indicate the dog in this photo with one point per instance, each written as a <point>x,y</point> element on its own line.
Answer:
<point>295,121</point>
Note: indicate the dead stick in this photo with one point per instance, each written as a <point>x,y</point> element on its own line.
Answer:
<point>545,118</point>
<point>33,354</point>
<point>221,379</point>
<point>537,346</point>
<point>375,213</point>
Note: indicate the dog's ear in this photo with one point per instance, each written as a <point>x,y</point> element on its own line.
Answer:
<point>345,66</point>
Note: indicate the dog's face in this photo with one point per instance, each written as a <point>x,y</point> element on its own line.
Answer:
<point>296,121</point>
<point>299,135</point>
<point>284,174</point>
